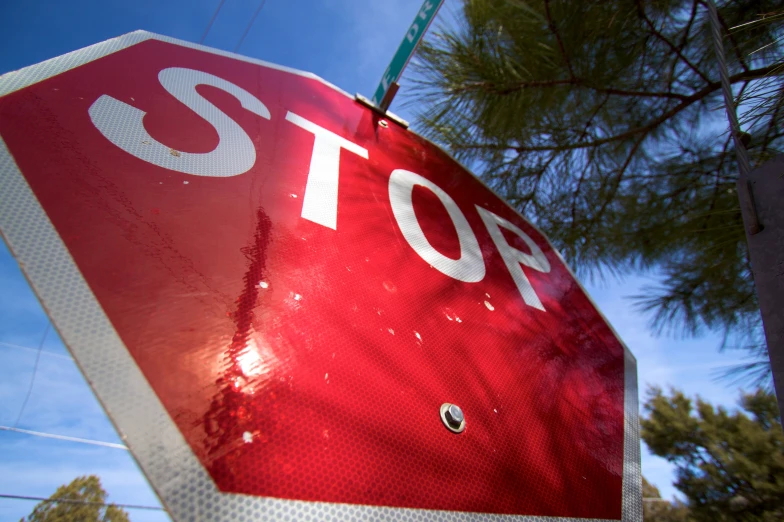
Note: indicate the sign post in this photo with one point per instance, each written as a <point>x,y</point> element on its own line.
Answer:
<point>292,310</point>
<point>766,250</point>
<point>388,86</point>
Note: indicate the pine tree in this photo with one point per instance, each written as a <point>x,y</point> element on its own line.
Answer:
<point>656,509</point>
<point>603,121</point>
<point>729,466</point>
<point>87,504</point>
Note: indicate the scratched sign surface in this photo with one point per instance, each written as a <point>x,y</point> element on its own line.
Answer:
<point>286,289</point>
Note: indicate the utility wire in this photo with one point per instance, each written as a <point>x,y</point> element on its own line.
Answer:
<point>242,38</point>
<point>65,437</point>
<point>15,428</point>
<point>27,348</point>
<point>209,25</point>
<point>77,501</point>
<point>35,371</point>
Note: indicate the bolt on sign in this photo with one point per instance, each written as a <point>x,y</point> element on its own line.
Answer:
<point>292,309</point>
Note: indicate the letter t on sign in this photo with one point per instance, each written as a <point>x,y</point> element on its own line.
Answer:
<point>320,204</point>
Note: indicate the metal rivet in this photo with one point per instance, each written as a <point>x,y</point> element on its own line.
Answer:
<point>455,415</point>
<point>452,417</point>
<point>383,123</point>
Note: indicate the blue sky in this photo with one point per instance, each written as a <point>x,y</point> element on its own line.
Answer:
<point>347,42</point>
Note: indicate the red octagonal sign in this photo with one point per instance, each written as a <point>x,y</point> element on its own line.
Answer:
<point>273,292</point>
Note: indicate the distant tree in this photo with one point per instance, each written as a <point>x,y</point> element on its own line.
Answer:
<point>602,120</point>
<point>656,509</point>
<point>730,467</point>
<point>87,504</point>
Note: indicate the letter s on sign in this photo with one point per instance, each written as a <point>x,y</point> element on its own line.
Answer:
<point>235,154</point>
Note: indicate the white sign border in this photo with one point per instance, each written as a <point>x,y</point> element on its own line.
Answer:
<point>182,483</point>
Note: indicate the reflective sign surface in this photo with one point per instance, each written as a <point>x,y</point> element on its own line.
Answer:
<point>303,285</point>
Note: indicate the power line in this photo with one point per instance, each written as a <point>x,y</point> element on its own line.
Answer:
<point>209,25</point>
<point>35,371</point>
<point>77,501</point>
<point>242,39</point>
<point>47,352</point>
<point>65,437</point>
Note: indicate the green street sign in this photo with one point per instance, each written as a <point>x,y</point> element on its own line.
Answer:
<point>406,50</point>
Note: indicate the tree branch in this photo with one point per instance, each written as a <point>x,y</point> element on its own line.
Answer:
<point>533,84</point>
<point>489,87</point>
<point>687,30</point>
<point>578,188</point>
<point>551,25</point>
<point>753,74</point>
<point>717,183</point>
<point>684,40</point>
<point>590,159</point>
<point>648,94</point>
<point>669,44</point>
<point>619,177</point>
<point>772,124</point>
<point>532,193</point>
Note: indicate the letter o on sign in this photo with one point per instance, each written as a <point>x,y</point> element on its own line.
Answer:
<point>470,267</point>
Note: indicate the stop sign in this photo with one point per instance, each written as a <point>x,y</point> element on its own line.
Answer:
<point>277,295</point>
